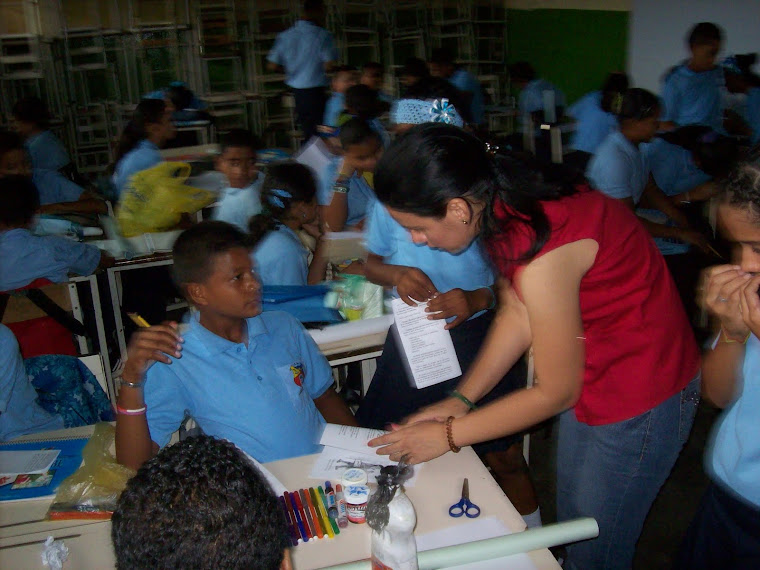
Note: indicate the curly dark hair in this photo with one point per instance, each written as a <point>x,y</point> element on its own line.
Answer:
<point>741,188</point>
<point>198,504</point>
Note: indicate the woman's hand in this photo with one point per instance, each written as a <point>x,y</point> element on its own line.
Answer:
<point>750,305</point>
<point>414,444</point>
<point>456,303</point>
<point>149,345</point>
<point>722,297</point>
<point>438,412</point>
<point>414,286</point>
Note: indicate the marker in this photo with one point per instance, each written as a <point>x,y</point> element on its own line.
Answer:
<point>305,516</point>
<point>332,522</point>
<point>341,502</point>
<point>297,517</point>
<point>138,320</point>
<point>312,510</point>
<point>320,506</point>
<point>291,529</point>
<point>332,510</point>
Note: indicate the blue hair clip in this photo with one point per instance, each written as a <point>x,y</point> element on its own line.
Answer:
<point>276,195</point>
<point>443,112</point>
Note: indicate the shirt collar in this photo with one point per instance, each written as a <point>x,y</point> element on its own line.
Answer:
<point>215,344</point>
<point>288,231</point>
<point>145,143</point>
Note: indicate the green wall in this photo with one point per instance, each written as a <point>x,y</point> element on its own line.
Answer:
<point>574,49</point>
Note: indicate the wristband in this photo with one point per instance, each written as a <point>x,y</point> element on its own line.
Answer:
<point>132,412</point>
<point>452,446</point>
<point>725,338</point>
<point>463,399</point>
<point>138,384</point>
<point>340,187</point>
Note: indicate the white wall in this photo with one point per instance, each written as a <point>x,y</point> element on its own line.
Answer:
<point>658,30</point>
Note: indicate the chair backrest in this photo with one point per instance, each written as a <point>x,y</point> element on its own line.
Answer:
<point>94,362</point>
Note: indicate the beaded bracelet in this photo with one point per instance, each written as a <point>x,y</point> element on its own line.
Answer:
<point>132,412</point>
<point>462,398</point>
<point>452,446</point>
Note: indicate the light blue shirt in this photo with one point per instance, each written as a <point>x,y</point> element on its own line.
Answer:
<point>144,156</point>
<point>377,126</point>
<point>360,196</point>
<point>20,414</point>
<point>468,270</point>
<point>54,188</point>
<point>25,257</point>
<point>466,82</point>
<point>733,458</point>
<point>335,105</point>
<point>532,96</point>
<point>47,151</point>
<point>238,205</point>
<point>281,259</point>
<point>694,98</point>
<point>618,169</point>
<point>593,124</point>
<point>673,167</point>
<point>303,50</point>
<point>260,396</point>
<point>753,113</point>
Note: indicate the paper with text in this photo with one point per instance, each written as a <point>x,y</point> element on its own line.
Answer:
<point>350,438</point>
<point>27,462</point>
<point>431,358</point>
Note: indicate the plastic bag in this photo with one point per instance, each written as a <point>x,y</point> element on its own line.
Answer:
<point>155,199</point>
<point>92,491</point>
<point>357,298</point>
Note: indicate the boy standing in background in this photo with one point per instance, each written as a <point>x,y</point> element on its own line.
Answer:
<point>344,77</point>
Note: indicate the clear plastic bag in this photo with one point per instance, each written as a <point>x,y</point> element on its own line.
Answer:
<point>92,491</point>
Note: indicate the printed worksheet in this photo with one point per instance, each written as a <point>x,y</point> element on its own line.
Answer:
<point>333,462</point>
<point>349,438</point>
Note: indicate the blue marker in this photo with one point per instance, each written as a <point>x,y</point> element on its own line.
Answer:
<point>301,528</point>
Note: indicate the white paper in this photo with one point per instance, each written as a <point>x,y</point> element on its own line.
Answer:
<point>429,350</point>
<point>350,438</point>
<point>351,330</point>
<point>26,462</point>
<point>333,462</point>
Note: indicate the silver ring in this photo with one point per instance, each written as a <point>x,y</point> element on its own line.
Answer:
<point>722,299</point>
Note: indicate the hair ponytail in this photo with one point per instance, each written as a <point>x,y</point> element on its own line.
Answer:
<point>612,92</point>
<point>147,112</point>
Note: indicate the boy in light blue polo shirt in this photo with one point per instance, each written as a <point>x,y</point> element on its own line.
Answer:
<point>32,118</point>
<point>240,201</point>
<point>343,78</point>
<point>531,98</point>
<point>255,379</point>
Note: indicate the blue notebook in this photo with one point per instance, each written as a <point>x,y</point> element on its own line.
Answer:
<point>46,484</point>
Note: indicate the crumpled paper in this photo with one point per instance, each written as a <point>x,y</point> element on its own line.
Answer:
<point>55,553</point>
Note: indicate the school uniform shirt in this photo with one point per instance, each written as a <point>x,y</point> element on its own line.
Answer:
<point>25,257</point>
<point>532,96</point>
<point>377,126</point>
<point>20,414</point>
<point>259,395</point>
<point>468,270</point>
<point>593,124</point>
<point>46,151</point>
<point>694,98</point>
<point>733,457</point>
<point>673,167</point>
<point>385,97</point>
<point>280,258</point>
<point>238,205</point>
<point>334,107</point>
<point>360,196</point>
<point>466,82</point>
<point>753,114</point>
<point>144,156</point>
<point>54,188</point>
<point>618,169</point>
<point>303,50</point>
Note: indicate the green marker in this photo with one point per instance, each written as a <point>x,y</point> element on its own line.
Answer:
<point>333,523</point>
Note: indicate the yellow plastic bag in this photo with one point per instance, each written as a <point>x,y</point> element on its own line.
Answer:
<point>155,199</point>
<point>91,492</point>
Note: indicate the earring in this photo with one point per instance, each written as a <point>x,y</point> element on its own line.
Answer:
<point>465,222</point>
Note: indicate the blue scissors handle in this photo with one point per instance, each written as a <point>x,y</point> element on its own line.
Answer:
<point>464,507</point>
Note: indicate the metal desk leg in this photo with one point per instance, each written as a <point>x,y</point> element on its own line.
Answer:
<point>116,305</point>
<point>76,309</point>
<point>102,339</point>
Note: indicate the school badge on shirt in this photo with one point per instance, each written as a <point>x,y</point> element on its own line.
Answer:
<point>299,374</point>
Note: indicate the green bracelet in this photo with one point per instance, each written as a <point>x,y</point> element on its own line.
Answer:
<point>463,399</point>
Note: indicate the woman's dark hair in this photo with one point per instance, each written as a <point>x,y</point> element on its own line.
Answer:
<point>32,110</point>
<point>704,33</point>
<point>636,104</point>
<point>285,184</point>
<point>356,131</point>
<point>10,140</point>
<point>714,153</point>
<point>613,88</point>
<point>741,188</point>
<point>362,101</point>
<point>438,88</point>
<point>20,201</point>
<point>434,163</point>
<point>148,112</point>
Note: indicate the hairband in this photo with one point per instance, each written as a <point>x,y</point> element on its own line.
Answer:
<point>418,111</point>
<point>275,197</point>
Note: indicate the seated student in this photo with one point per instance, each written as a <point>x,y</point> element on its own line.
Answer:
<point>185,106</point>
<point>138,149</point>
<point>257,379</point>
<point>414,71</point>
<point>362,102</point>
<point>531,99</point>
<point>593,115</point>
<point>692,92</point>
<point>237,161</point>
<point>56,193</point>
<point>372,76</point>
<point>289,202</point>
<point>199,503</point>
<point>343,77</point>
<point>442,65</point>
<point>26,257</point>
<point>31,119</point>
<point>346,199</point>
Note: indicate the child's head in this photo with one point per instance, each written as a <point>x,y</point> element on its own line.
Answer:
<point>361,144</point>
<point>213,269</point>
<point>712,152</point>
<point>20,201</point>
<point>372,75</point>
<point>414,71</point>
<point>704,43</point>
<point>150,120</point>
<point>288,194</point>
<point>237,159</point>
<point>314,11</point>
<point>739,213</point>
<point>442,63</point>
<point>615,85</point>
<point>179,96</point>
<point>344,77</point>
<point>638,114</point>
<point>361,101</point>
<point>30,115</point>
<point>199,503</point>
<point>14,159</point>
<point>521,73</point>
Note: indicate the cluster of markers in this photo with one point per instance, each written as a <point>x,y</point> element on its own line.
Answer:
<point>314,513</point>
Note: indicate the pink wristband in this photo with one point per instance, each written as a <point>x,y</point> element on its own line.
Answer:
<point>134,412</point>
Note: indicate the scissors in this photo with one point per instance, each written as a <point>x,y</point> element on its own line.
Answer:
<point>464,506</point>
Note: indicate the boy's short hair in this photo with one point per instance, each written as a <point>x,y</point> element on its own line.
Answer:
<point>196,247</point>
<point>179,95</point>
<point>32,110</point>
<point>362,101</point>
<point>342,69</point>
<point>442,56</point>
<point>705,33</point>
<point>239,138</point>
<point>19,199</point>
<point>10,140</point>
<point>373,66</point>
<point>199,503</point>
<point>356,131</point>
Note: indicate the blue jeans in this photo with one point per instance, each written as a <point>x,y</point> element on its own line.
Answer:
<point>613,473</point>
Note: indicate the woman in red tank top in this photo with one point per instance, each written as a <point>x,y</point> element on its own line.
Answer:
<point>585,286</point>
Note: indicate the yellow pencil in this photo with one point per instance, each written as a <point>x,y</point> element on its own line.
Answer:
<point>138,320</point>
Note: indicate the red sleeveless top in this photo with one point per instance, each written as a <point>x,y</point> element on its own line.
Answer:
<point>640,349</point>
